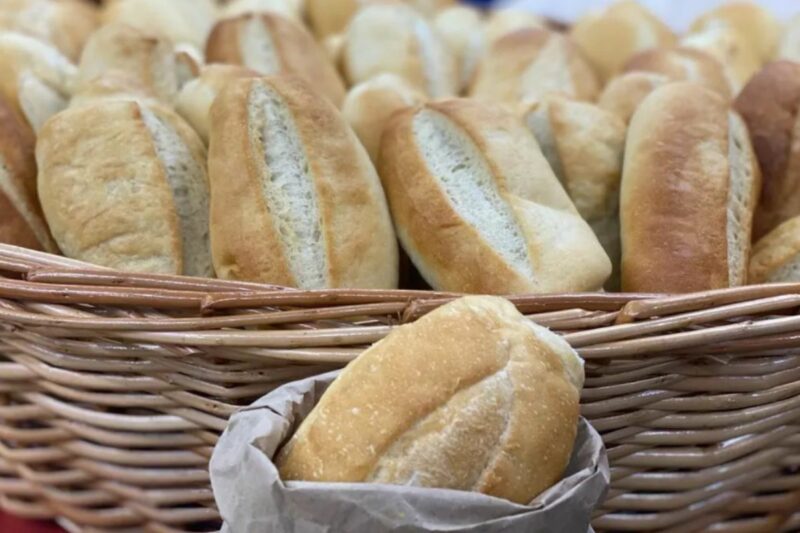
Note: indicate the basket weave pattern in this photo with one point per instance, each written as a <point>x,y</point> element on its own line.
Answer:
<point>115,387</point>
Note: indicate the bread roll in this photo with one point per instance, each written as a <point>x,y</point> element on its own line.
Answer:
<point>447,402</point>
<point>769,105</point>
<point>478,208</point>
<point>21,220</point>
<point>683,64</point>
<point>730,49</point>
<point>292,9</point>
<point>758,28</point>
<point>195,99</point>
<point>623,94</point>
<point>394,38</point>
<point>124,185</point>
<point>530,64</point>
<point>37,80</point>
<point>584,145</point>
<point>65,24</point>
<point>272,44</point>
<point>184,22</point>
<point>329,17</point>
<point>115,85</point>
<point>503,21</point>
<point>776,256</point>
<point>789,46</point>
<point>370,105</point>
<point>461,29</point>
<point>689,185</point>
<point>142,56</point>
<point>609,38</point>
<point>295,200</point>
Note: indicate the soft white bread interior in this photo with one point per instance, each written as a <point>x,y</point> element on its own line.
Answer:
<point>609,38</point>
<point>196,97</point>
<point>37,79</point>
<point>531,64</point>
<point>688,165</point>
<point>395,38</point>
<point>478,208</point>
<point>623,94</point>
<point>370,104</point>
<point>124,185</point>
<point>447,402</point>
<point>295,199</point>
<point>584,145</point>
<point>271,44</point>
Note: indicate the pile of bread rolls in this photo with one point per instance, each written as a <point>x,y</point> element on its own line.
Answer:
<point>325,143</point>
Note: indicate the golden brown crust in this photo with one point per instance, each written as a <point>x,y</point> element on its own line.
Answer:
<point>682,64</point>
<point>774,251</point>
<point>297,51</point>
<point>623,94</point>
<point>21,219</point>
<point>360,244</point>
<point>105,205</point>
<point>451,253</point>
<point>759,30</point>
<point>674,195</point>
<point>769,105</point>
<point>531,63</point>
<point>411,388</point>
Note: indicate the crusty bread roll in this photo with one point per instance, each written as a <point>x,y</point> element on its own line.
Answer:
<point>370,105</point>
<point>124,185</point>
<point>36,78</point>
<point>395,38</point>
<point>183,22</point>
<point>623,94</point>
<point>731,50</point>
<point>769,104</point>
<point>447,402</point>
<point>271,44</point>
<point>21,219</point>
<point>609,38</point>
<point>683,64</point>
<point>461,28</point>
<point>584,145</point>
<point>114,85</point>
<point>478,208</point>
<point>689,186</point>
<point>776,256</point>
<point>530,64</point>
<point>292,9</point>
<point>756,25</point>
<point>148,58</point>
<point>502,21</point>
<point>295,199</point>
<point>329,17</point>
<point>65,24</point>
<point>195,99</point>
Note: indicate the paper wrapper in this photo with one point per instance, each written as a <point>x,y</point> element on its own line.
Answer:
<point>252,498</point>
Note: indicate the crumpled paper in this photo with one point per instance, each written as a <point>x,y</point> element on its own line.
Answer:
<point>252,498</point>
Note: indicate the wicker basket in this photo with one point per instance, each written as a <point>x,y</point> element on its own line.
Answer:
<point>114,388</point>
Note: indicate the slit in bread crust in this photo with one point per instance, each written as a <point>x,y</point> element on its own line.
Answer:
<point>189,192</point>
<point>539,124</point>
<point>258,48</point>
<point>288,187</point>
<point>428,48</point>
<point>463,173</point>
<point>740,200</point>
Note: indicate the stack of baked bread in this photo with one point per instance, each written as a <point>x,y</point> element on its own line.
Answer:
<point>318,143</point>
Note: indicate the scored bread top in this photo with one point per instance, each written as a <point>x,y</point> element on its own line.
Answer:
<point>124,185</point>
<point>532,63</point>
<point>295,198</point>
<point>477,206</point>
<point>472,397</point>
<point>21,219</point>
<point>688,189</point>
<point>769,104</point>
<point>271,44</point>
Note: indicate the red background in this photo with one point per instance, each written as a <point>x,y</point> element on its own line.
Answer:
<point>11,523</point>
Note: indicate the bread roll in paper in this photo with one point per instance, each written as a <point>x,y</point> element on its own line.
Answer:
<point>477,207</point>
<point>295,199</point>
<point>472,396</point>
<point>689,187</point>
